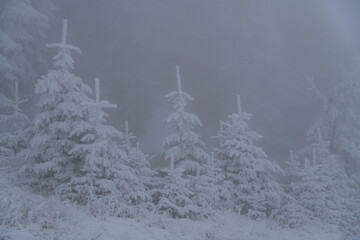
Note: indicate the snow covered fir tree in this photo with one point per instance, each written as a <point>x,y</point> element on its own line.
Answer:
<point>140,193</point>
<point>339,118</point>
<point>14,138</point>
<point>184,151</point>
<point>22,25</point>
<point>248,172</point>
<point>72,152</point>
<point>61,93</point>
<point>321,187</point>
<point>72,166</point>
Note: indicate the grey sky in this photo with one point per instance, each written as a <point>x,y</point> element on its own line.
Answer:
<point>260,49</point>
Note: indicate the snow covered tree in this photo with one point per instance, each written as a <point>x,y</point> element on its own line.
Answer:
<point>292,171</point>
<point>22,24</point>
<point>71,151</point>
<point>14,139</point>
<point>209,193</point>
<point>138,161</point>
<point>247,169</point>
<point>193,197</point>
<point>185,152</point>
<point>293,214</point>
<point>74,153</point>
<point>339,120</point>
<point>173,196</point>
<point>16,120</point>
<point>103,170</point>
<point>49,162</point>
<point>183,149</point>
<point>322,187</point>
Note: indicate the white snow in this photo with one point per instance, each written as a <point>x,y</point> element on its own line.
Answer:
<point>156,227</point>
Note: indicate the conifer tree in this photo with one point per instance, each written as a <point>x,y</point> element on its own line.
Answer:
<point>338,122</point>
<point>247,169</point>
<point>22,23</point>
<point>71,151</point>
<point>183,149</point>
<point>293,214</point>
<point>140,189</point>
<point>292,172</point>
<point>173,196</point>
<point>339,119</point>
<point>185,152</point>
<point>322,187</point>
<point>103,168</point>
<point>209,193</point>
<point>14,139</point>
<point>60,94</point>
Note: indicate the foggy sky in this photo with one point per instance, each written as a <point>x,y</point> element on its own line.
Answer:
<point>260,49</point>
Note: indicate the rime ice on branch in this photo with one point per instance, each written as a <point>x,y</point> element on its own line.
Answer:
<point>63,59</point>
<point>178,98</point>
<point>183,147</point>
<point>99,103</point>
<point>17,119</point>
<point>238,103</point>
<point>17,101</point>
<point>128,136</point>
<point>14,138</point>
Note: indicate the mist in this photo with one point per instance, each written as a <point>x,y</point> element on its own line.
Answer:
<point>259,49</point>
<point>268,148</point>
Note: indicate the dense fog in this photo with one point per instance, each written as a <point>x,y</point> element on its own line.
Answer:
<point>259,49</point>
<point>179,119</point>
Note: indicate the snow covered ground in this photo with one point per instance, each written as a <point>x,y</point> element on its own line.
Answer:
<point>28,216</point>
<point>225,227</point>
<point>76,224</point>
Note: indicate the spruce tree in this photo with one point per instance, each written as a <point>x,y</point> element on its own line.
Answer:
<point>209,193</point>
<point>293,214</point>
<point>103,170</point>
<point>322,187</point>
<point>184,150</point>
<point>73,152</point>
<point>14,139</point>
<point>60,94</point>
<point>22,25</point>
<point>139,193</point>
<point>339,119</point>
<point>248,172</point>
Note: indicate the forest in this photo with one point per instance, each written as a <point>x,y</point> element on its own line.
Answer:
<point>71,168</point>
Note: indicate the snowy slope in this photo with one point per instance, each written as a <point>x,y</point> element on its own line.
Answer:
<point>154,227</point>
<point>28,216</point>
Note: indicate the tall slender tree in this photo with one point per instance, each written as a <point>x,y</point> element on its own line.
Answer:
<point>185,152</point>
<point>339,119</point>
<point>139,192</point>
<point>183,149</point>
<point>14,139</point>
